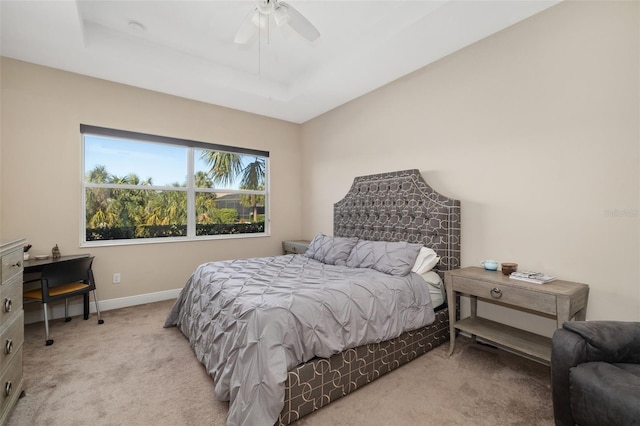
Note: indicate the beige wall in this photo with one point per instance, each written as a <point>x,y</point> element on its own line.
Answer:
<point>535,130</point>
<point>41,170</point>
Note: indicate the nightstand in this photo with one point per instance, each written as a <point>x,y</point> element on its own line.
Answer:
<point>560,300</point>
<point>295,247</point>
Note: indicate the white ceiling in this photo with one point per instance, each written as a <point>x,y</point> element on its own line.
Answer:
<point>186,47</point>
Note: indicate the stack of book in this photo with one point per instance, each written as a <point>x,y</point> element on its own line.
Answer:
<point>532,277</point>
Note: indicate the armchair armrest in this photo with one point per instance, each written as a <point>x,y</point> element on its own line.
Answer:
<point>568,350</point>
<point>609,341</point>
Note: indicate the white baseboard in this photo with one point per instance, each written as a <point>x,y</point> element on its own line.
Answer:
<point>75,306</point>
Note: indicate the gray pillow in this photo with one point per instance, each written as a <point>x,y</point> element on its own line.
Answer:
<point>331,250</point>
<point>393,258</point>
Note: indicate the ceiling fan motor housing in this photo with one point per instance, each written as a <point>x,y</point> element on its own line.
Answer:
<point>283,14</point>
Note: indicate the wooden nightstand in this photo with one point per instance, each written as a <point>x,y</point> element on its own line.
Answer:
<point>295,247</point>
<point>561,300</point>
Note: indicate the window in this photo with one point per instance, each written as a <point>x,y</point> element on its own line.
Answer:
<point>147,188</point>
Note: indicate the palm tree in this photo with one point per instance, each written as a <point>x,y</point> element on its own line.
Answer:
<point>142,209</point>
<point>97,199</point>
<point>128,204</point>
<point>205,201</point>
<point>226,168</point>
<point>98,175</point>
<point>203,180</point>
<point>253,200</point>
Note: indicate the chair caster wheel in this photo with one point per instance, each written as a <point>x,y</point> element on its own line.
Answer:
<point>67,319</point>
<point>49,342</point>
<point>100,321</point>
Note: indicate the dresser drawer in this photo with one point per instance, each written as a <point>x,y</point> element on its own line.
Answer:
<point>10,299</point>
<point>11,340</point>
<point>510,294</point>
<point>12,264</point>
<point>11,382</point>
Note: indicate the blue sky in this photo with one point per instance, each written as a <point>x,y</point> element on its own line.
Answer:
<point>165,164</point>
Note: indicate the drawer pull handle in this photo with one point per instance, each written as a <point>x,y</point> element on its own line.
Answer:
<point>7,305</point>
<point>8,346</point>
<point>496,293</point>
<point>7,388</point>
<point>17,264</point>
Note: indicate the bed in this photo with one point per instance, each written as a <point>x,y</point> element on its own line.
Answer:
<point>288,365</point>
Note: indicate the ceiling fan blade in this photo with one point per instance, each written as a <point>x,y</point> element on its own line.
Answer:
<point>299,23</point>
<point>247,28</point>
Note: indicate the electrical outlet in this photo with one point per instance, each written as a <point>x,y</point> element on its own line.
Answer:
<point>116,278</point>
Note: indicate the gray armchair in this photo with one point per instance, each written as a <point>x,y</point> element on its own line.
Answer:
<point>595,373</point>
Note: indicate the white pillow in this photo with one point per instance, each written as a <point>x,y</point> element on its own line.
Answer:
<point>426,260</point>
<point>436,288</point>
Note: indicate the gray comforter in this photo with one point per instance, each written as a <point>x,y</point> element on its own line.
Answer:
<point>250,321</point>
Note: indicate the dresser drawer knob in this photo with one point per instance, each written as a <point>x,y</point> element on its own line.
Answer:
<point>17,264</point>
<point>496,293</point>
<point>8,346</point>
<point>7,304</point>
<point>7,388</point>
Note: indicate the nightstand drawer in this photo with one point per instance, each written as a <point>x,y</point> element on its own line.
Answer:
<point>510,294</point>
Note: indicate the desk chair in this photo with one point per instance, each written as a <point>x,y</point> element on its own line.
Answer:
<point>62,280</point>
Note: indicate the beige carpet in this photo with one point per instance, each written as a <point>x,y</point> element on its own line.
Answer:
<point>131,371</point>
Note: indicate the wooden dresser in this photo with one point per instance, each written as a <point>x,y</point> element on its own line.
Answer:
<point>11,326</point>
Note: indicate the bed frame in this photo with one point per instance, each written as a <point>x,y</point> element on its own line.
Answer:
<point>396,206</point>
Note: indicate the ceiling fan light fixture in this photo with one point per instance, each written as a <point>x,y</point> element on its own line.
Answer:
<point>281,15</point>
<point>259,20</point>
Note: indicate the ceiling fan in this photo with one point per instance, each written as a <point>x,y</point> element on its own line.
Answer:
<point>283,14</point>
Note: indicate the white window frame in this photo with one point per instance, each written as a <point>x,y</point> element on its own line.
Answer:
<point>190,189</point>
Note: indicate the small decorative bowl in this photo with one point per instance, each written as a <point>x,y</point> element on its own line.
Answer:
<point>508,268</point>
<point>490,265</point>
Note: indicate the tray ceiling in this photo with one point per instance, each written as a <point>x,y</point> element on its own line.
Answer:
<point>186,48</point>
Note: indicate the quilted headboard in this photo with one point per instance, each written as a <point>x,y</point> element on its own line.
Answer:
<point>400,206</point>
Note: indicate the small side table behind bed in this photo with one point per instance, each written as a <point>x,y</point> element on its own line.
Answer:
<point>295,247</point>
